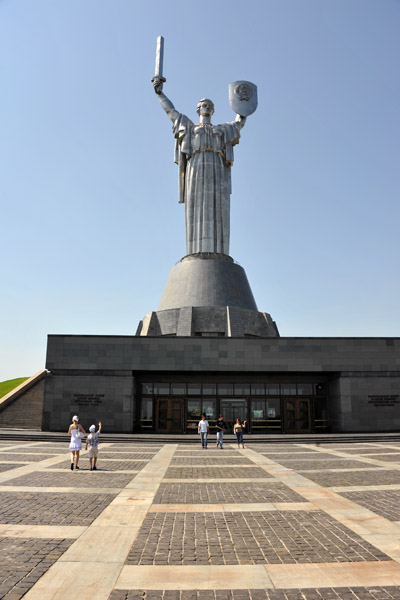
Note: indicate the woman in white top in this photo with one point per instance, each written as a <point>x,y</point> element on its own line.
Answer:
<point>76,431</point>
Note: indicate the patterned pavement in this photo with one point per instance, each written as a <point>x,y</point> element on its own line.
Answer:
<point>173,522</point>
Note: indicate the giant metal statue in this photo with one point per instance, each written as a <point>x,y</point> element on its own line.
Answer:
<point>204,154</point>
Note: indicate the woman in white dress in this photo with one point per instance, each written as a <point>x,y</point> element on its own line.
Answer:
<point>76,431</point>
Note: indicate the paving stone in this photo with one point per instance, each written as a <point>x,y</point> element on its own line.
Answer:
<point>375,450</point>
<point>366,478</point>
<point>359,593</point>
<point>33,450</point>
<point>384,503</point>
<point>105,465</point>
<point>29,457</point>
<point>23,562</point>
<point>224,493</point>
<point>73,479</point>
<point>216,461</point>
<point>8,466</point>
<point>386,457</point>
<point>299,465</point>
<point>247,538</point>
<point>315,455</point>
<point>344,445</point>
<point>126,455</point>
<point>215,473</point>
<point>60,449</point>
<point>28,508</point>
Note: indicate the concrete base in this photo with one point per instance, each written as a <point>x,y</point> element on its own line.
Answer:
<point>207,280</point>
<point>209,321</point>
<point>207,295</point>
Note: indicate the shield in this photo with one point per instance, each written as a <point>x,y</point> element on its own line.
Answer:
<point>243,97</point>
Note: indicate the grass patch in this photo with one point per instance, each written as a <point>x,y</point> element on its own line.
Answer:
<point>10,384</point>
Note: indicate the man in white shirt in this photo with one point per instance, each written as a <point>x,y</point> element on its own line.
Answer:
<point>203,429</point>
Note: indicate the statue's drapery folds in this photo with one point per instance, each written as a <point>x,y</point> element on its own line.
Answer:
<point>204,154</point>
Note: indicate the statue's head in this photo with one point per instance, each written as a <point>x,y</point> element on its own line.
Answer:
<point>205,107</point>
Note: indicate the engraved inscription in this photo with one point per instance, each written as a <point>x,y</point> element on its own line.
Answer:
<point>384,400</point>
<point>88,399</point>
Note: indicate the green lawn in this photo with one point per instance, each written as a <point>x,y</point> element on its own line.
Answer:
<point>10,384</point>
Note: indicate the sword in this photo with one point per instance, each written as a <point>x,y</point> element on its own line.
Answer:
<point>158,74</point>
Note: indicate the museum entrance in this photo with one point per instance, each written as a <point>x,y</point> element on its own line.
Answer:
<point>297,415</point>
<point>169,415</point>
<point>231,410</point>
<point>174,407</point>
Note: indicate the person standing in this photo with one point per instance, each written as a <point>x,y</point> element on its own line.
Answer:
<point>76,432</point>
<point>238,429</point>
<point>220,431</point>
<point>92,441</point>
<point>203,429</point>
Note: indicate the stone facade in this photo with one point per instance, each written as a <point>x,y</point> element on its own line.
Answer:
<point>95,376</point>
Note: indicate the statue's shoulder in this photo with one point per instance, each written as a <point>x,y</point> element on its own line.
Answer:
<point>182,124</point>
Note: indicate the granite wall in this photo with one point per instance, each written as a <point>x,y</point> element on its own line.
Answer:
<point>93,398</point>
<point>93,376</point>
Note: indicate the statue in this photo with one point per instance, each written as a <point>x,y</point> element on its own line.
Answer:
<point>204,154</point>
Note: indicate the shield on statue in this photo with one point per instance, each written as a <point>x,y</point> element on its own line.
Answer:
<point>243,97</point>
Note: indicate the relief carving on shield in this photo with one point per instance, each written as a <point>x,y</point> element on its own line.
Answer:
<point>243,97</point>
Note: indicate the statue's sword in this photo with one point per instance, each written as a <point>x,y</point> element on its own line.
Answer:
<point>158,74</point>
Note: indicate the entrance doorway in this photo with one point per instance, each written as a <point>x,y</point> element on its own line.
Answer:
<point>231,410</point>
<point>169,415</point>
<point>297,415</point>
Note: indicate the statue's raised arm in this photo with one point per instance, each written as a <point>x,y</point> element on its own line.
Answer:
<point>165,102</point>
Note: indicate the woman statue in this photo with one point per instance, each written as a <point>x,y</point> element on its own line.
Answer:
<point>204,154</point>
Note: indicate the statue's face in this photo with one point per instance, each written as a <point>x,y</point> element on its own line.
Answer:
<point>206,108</point>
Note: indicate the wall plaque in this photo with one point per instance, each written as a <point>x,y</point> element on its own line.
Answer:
<point>88,399</point>
<point>384,400</point>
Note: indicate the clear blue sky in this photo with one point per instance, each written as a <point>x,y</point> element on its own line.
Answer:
<point>90,223</point>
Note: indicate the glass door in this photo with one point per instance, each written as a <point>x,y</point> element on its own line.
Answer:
<point>297,415</point>
<point>231,410</point>
<point>169,415</point>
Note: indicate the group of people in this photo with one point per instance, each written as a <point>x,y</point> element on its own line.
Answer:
<point>204,428</point>
<point>77,433</point>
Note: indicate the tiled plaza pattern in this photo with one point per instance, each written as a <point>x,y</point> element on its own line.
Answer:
<point>23,562</point>
<point>320,465</point>
<point>381,502</point>
<point>8,467</point>
<point>82,478</point>
<point>222,472</point>
<point>247,538</point>
<point>225,493</point>
<point>109,465</point>
<point>370,477</point>
<point>206,460</point>
<point>29,508</point>
<point>375,593</point>
<point>222,523</point>
<point>31,457</point>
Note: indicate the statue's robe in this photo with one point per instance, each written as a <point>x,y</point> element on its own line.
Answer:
<point>204,154</point>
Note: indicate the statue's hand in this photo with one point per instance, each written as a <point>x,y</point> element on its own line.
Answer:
<point>157,84</point>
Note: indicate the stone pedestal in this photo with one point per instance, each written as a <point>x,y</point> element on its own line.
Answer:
<point>207,295</point>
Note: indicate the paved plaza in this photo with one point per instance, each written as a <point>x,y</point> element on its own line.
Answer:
<point>283,521</point>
